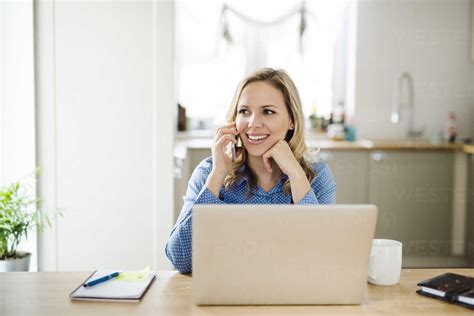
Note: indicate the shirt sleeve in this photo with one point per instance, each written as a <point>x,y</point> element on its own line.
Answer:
<point>179,246</point>
<point>323,188</point>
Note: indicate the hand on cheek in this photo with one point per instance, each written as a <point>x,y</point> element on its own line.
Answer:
<point>282,155</point>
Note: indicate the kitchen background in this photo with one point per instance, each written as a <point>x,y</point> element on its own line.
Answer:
<point>92,100</point>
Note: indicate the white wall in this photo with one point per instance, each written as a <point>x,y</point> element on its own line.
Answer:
<point>17,115</point>
<point>429,39</point>
<point>106,109</point>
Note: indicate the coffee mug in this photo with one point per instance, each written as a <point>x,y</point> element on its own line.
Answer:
<point>385,262</point>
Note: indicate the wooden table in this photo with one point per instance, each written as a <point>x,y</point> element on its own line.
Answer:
<point>47,293</point>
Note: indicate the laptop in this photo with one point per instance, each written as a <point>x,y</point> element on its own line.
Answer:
<point>281,254</point>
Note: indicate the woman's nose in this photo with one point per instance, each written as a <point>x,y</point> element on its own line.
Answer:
<point>255,121</point>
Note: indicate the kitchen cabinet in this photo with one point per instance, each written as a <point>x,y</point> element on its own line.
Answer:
<point>350,169</point>
<point>199,154</point>
<point>470,213</point>
<point>413,191</point>
<point>186,160</point>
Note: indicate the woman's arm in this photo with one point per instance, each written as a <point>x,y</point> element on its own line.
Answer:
<point>179,247</point>
<point>323,188</point>
<point>301,190</point>
<point>299,183</point>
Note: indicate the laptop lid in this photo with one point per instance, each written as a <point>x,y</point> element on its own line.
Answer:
<point>281,254</point>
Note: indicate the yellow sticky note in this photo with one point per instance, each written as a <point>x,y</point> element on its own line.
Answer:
<point>140,275</point>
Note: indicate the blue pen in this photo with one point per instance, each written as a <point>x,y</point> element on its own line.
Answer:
<point>102,279</point>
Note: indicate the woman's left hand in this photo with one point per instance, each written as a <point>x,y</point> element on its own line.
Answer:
<point>283,157</point>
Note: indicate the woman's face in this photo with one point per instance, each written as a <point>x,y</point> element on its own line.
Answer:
<point>262,118</point>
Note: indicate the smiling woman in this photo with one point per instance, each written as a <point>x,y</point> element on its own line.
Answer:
<point>270,168</point>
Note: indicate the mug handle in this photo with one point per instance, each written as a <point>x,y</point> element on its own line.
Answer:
<point>371,264</point>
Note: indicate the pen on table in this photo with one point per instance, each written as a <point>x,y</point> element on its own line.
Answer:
<point>102,279</point>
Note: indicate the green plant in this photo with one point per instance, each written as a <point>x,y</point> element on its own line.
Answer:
<point>19,213</point>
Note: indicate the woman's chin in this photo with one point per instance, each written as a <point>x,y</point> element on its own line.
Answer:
<point>259,150</point>
<point>256,152</point>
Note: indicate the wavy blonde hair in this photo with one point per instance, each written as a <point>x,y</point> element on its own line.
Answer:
<point>280,80</point>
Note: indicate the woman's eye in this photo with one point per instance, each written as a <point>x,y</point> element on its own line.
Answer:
<point>268,112</point>
<point>244,112</point>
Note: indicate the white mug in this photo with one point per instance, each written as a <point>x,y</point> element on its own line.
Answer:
<point>385,262</point>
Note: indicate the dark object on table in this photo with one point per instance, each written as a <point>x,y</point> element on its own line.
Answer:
<point>449,287</point>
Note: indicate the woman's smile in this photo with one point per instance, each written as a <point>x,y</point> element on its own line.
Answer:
<point>257,139</point>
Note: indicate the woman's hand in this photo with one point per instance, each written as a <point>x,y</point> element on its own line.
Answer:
<point>283,157</point>
<point>221,160</point>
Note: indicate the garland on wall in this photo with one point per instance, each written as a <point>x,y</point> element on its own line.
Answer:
<point>301,11</point>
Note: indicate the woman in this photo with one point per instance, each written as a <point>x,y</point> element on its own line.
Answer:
<point>271,167</point>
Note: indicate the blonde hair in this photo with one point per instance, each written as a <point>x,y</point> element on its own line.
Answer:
<point>280,80</point>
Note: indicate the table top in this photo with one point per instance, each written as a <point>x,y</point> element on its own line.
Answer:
<point>47,293</point>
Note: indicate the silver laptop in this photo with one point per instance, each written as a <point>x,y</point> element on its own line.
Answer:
<point>281,254</point>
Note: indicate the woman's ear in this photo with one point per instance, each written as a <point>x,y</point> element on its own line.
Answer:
<point>292,126</point>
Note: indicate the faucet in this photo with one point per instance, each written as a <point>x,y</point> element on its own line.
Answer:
<point>408,102</point>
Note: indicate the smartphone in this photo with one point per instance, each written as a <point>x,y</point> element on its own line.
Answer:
<point>234,151</point>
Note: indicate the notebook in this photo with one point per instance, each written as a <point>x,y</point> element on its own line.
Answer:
<point>451,288</point>
<point>130,286</point>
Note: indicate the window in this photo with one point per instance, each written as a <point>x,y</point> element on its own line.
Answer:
<point>209,69</point>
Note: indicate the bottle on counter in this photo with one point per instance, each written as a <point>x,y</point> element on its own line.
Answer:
<point>350,130</point>
<point>450,130</point>
<point>181,118</point>
<point>336,129</point>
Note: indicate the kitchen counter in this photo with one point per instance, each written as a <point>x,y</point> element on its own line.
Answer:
<point>468,149</point>
<point>203,143</point>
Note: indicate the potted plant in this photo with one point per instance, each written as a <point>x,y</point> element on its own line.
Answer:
<point>20,212</point>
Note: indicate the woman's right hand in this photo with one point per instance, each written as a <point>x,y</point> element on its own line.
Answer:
<point>222,160</point>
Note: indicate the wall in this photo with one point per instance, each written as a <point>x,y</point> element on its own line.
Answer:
<point>17,112</point>
<point>105,115</point>
<point>429,39</point>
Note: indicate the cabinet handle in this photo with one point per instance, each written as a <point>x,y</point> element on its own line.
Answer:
<point>378,156</point>
<point>325,155</point>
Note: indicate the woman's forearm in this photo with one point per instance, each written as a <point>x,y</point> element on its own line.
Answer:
<point>300,185</point>
<point>214,182</point>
